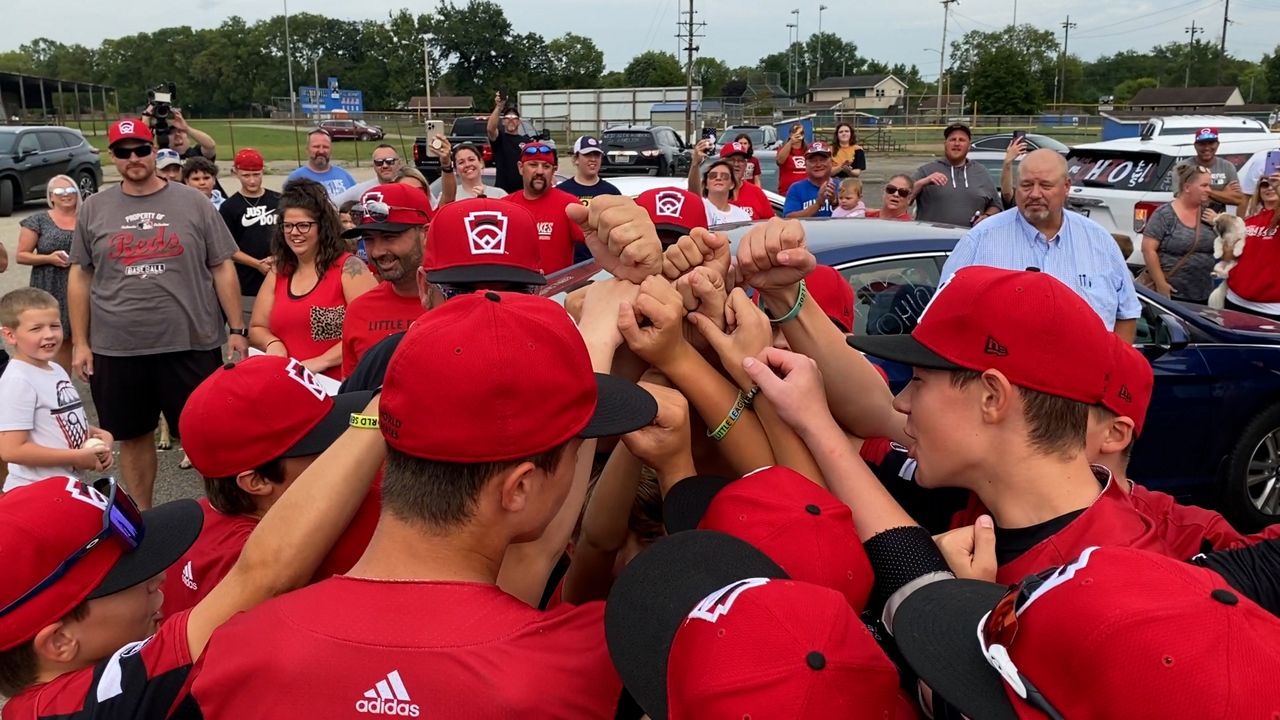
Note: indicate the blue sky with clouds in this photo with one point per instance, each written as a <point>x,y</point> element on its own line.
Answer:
<point>737,32</point>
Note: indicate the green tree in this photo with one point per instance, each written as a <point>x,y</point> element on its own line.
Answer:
<point>1008,71</point>
<point>654,69</point>
<point>574,61</point>
<point>1125,91</point>
<point>1271,70</point>
<point>712,74</point>
<point>1254,84</point>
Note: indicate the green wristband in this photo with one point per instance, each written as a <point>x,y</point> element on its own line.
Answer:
<point>735,412</point>
<point>795,310</point>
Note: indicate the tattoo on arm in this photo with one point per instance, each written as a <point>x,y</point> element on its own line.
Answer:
<point>354,267</point>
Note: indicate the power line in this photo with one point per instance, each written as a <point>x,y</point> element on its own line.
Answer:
<point>689,35</point>
<point>1191,44</point>
<point>1147,19</point>
<point>942,51</point>
<point>1222,46</point>
<point>1067,27</point>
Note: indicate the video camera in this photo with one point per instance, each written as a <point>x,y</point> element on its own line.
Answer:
<point>160,98</point>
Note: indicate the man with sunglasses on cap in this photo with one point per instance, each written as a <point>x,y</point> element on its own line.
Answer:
<point>506,141</point>
<point>152,278</point>
<point>557,235</point>
<point>441,635</point>
<point>81,633</point>
<point>394,245</point>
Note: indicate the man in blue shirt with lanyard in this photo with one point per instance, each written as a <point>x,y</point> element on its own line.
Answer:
<point>815,197</point>
<point>1039,233</point>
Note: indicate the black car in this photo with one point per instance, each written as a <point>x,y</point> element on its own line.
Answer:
<point>31,156</point>
<point>644,150</point>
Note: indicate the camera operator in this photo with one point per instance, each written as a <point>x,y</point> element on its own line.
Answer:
<point>181,134</point>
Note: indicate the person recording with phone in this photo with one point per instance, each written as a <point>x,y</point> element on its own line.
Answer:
<point>1012,154</point>
<point>791,159</point>
<point>505,138</point>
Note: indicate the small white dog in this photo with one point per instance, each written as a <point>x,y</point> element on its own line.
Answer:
<point>1226,247</point>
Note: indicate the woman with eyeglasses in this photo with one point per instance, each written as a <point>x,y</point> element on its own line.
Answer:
<point>303,300</point>
<point>1177,242</point>
<point>894,203</point>
<point>1254,283</point>
<point>44,243</point>
<point>718,187</point>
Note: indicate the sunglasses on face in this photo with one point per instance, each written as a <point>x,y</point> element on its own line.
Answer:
<point>64,191</point>
<point>124,153</point>
<point>301,227</point>
<point>1262,185</point>
<point>452,291</point>
<point>899,191</point>
<point>997,632</point>
<point>386,162</point>
<point>378,211</point>
<point>719,176</point>
<point>121,522</point>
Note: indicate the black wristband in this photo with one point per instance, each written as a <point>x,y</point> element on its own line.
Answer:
<point>898,556</point>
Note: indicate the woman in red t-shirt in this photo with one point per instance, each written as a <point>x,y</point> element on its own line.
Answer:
<point>790,159</point>
<point>1254,283</point>
<point>752,172</point>
<point>894,205</point>
<point>303,300</point>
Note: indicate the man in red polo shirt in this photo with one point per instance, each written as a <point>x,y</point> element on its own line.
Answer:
<point>394,246</point>
<point>419,626</point>
<point>556,233</point>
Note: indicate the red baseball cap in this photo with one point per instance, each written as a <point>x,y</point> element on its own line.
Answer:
<point>1024,323</point>
<point>537,150</point>
<point>390,208</point>
<point>818,147</point>
<point>249,413</point>
<point>483,240</point>
<point>1129,383</point>
<point>1207,134</point>
<point>703,625</point>
<point>833,294</point>
<point>1161,638</point>
<point>248,159</point>
<point>128,129</point>
<point>728,150</point>
<point>673,209</point>
<point>45,523</point>
<point>493,376</point>
<point>802,527</point>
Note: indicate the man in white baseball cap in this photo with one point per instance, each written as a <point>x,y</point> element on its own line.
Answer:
<point>588,155</point>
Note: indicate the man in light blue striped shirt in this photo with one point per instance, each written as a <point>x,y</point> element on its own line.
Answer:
<point>1067,245</point>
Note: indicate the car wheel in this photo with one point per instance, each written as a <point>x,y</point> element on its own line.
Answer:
<point>87,183</point>
<point>1253,474</point>
<point>6,198</point>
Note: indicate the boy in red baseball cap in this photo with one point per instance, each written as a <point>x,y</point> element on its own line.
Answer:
<point>83,567</point>
<point>251,216</point>
<point>420,622</point>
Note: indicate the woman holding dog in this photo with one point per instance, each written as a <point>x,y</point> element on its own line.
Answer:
<point>1177,242</point>
<point>1254,283</point>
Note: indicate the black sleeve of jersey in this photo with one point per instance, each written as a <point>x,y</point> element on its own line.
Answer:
<point>1254,571</point>
<point>898,556</point>
<point>372,367</point>
<point>122,690</point>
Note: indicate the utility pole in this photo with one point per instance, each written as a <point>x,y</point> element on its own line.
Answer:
<point>818,72</point>
<point>1067,27</point>
<point>942,52</point>
<point>795,69</point>
<point>791,60</point>
<point>689,34</point>
<point>1191,46</point>
<point>426,70</point>
<point>1015,13</point>
<point>1222,46</point>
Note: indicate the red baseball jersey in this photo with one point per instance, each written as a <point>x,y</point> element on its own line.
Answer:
<point>207,561</point>
<point>143,679</point>
<point>1255,277</point>
<point>556,233</point>
<point>793,168</point>
<point>1189,530</point>
<point>349,647</point>
<point>754,201</point>
<point>373,316</point>
<point>353,541</point>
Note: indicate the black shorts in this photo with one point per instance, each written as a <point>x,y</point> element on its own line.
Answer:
<point>131,392</point>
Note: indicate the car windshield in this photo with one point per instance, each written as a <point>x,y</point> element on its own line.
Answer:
<point>469,126</point>
<point>1117,169</point>
<point>628,139</point>
<point>6,142</point>
<point>730,135</point>
<point>1044,141</point>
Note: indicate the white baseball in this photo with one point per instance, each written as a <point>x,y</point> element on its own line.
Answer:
<point>95,443</point>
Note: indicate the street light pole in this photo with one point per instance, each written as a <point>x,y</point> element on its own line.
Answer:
<point>795,79</point>
<point>426,70</point>
<point>818,72</point>
<point>791,59</point>
<point>288,59</point>
<point>316,65</point>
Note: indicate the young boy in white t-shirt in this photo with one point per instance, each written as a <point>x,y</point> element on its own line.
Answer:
<point>43,427</point>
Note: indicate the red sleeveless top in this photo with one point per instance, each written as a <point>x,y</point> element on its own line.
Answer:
<point>311,323</point>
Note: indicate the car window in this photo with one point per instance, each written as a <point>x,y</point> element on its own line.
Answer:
<point>889,295</point>
<point>28,143</point>
<point>622,140</point>
<point>72,139</point>
<point>52,141</point>
<point>1117,169</point>
<point>992,143</point>
<point>7,141</point>
<point>469,126</point>
<point>758,138</point>
<point>1151,329</point>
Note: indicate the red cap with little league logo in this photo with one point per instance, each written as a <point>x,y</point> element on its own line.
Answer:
<point>267,407</point>
<point>391,208</point>
<point>496,376</point>
<point>673,209</point>
<point>800,526</point>
<point>128,129</point>
<point>1129,383</point>
<point>1024,323</point>
<point>833,294</point>
<point>728,150</point>
<point>818,147</point>
<point>248,159</point>
<point>45,523</point>
<point>1207,134</point>
<point>1164,638</point>
<point>482,240</point>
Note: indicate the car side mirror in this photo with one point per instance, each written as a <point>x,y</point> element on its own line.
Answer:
<point>1173,335</point>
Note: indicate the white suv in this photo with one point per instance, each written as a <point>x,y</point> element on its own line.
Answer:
<point>1119,183</point>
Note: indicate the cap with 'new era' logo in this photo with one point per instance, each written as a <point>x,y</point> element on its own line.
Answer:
<point>482,240</point>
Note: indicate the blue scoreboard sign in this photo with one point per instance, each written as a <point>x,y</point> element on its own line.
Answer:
<point>330,99</point>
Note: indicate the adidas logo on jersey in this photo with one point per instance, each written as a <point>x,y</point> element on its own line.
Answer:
<point>188,577</point>
<point>388,697</point>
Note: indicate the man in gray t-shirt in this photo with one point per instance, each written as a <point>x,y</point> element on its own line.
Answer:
<point>953,190</point>
<point>1224,181</point>
<point>151,282</point>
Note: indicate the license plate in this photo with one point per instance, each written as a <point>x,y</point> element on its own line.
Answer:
<point>622,159</point>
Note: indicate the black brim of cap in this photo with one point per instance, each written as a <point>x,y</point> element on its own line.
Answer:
<point>936,629</point>
<point>621,407</point>
<point>687,501</point>
<point>901,348</point>
<point>320,437</point>
<point>671,227</point>
<point>171,530</point>
<point>388,227</point>
<point>476,274</point>
<point>657,591</point>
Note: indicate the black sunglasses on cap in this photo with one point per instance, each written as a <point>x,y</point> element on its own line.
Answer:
<point>121,522</point>
<point>124,152</point>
